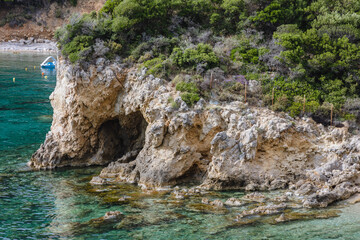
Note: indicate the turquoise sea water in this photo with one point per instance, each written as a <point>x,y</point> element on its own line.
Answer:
<point>60,204</point>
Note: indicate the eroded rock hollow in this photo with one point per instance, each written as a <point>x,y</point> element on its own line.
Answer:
<point>121,117</point>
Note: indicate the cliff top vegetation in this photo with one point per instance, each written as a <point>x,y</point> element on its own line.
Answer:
<point>294,48</point>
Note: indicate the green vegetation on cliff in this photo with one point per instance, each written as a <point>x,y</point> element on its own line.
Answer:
<point>294,48</point>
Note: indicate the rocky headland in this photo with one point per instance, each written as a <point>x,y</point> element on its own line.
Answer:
<point>111,114</point>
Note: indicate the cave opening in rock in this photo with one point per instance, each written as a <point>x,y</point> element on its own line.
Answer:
<point>117,137</point>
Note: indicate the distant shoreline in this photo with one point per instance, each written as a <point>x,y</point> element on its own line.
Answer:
<point>31,45</point>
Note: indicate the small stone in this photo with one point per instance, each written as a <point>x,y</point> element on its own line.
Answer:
<point>263,210</point>
<point>234,202</point>
<point>289,194</point>
<point>251,187</point>
<point>281,218</point>
<point>282,198</point>
<point>354,199</point>
<point>205,201</point>
<point>97,181</point>
<point>124,198</point>
<point>217,203</point>
<point>178,195</point>
<point>113,215</point>
<point>256,197</point>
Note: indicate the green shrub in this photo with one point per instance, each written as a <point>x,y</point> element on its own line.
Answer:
<point>281,103</point>
<point>191,57</point>
<point>329,66</point>
<point>155,66</point>
<point>234,86</point>
<point>190,98</point>
<point>173,104</point>
<point>245,55</point>
<point>187,87</point>
<point>297,106</point>
<point>280,12</point>
<point>121,23</point>
<point>157,46</point>
<point>115,49</point>
<point>289,95</point>
<point>292,88</point>
<point>349,117</point>
<point>109,6</point>
<point>225,19</point>
<point>189,92</point>
<point>78,45</point>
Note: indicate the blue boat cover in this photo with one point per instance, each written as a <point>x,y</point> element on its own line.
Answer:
<point>48,65</point>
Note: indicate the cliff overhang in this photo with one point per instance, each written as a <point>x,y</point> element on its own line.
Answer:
<point>120,116</point>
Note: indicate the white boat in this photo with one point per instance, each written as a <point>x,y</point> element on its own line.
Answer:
<point>48,64</point>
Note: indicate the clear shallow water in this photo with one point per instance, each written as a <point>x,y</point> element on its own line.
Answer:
<point>60,204</point>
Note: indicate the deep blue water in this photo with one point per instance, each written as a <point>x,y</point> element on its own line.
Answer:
<point>59,204</point>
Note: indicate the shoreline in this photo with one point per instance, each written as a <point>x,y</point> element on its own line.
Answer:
<point>30,46</point>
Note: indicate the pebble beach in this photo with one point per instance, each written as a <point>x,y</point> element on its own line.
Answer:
<point>29,45</point>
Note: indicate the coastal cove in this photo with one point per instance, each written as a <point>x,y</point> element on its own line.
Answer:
<point>62,204</point>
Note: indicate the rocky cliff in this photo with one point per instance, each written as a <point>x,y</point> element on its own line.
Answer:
<point>112,115</point>
<point>43,21</point>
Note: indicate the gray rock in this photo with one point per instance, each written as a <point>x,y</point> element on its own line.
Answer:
<point>234,202</point>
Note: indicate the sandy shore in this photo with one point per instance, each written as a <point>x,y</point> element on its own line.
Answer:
<point>30,45</point>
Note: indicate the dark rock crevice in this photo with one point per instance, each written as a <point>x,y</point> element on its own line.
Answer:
<point>117,137</point>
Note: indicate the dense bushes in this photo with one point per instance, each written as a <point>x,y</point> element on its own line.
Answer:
<point>280,12</point>
<point>190,58</point>
<point>305,51</point>
<point>247,54</point>
<point>331,66</point>
<point>78,48</point>
<point>189,92</point>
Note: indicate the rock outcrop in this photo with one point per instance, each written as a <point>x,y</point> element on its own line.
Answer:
<point>110,114</point>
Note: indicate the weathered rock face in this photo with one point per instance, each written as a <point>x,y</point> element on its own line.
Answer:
<point>119,116</point>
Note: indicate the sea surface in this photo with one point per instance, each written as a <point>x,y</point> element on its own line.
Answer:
<point>61,204</point>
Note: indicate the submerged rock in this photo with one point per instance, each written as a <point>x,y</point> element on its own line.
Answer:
<point>296,216</point>
<point>263,210</point>
<point>205,201</point>
<point>234,202</point>
<point>131,221</point>
<point>109,218</point>
<point>113,216</point>
<point>354,199</point>
<point>124,199</point>
<point>97,181</point>
<point>255,197</point>
<point>281,218</point>
<point>282,198</point>
<point>217,203</point>
<point>207,208</point>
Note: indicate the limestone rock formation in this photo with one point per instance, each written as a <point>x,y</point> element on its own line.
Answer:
<point>110,114</point>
